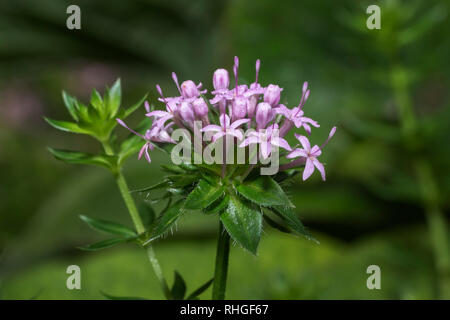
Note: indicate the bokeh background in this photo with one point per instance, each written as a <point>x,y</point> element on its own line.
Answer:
<point>386,199</point>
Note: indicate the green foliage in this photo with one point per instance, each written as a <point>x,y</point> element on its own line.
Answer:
<point>126,234</point>
<point>98,120</point>
<point>178,289</point>
<point>109,227</point>
<point>165,221</point>
<point>104,244</point>
<point>204,194</point>
<point>194,295</point>
<point>75,157</point>
<point>243,221</point>
<point>264,191</point>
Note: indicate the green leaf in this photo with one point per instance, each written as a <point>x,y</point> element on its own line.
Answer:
<point>70,104</point>
<point>147,214</point>
<point>204,194</point>
<point>200,290</point>
<point>179,287</point>
<point>114,96</point>
<point>173,169</point>
<point>264,191</point>
<point>109,227</point>
<point>159,185</point>
<point>182,180</point>
<point>96,100</point>
<point>110,297</point>
<point>104,244</point>
<point>66,126</point>
<point>290,217</point>
<point>166,221</point>
<point>218,206</point>
<point>84,158</point>
<point>243,222</point>
<point>274,224</point>
<point>133,108</point>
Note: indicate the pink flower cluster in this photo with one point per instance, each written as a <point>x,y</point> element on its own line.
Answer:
<point>253,107</point>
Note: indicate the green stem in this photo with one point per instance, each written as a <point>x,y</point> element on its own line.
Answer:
<point>221,269</point>
<point>134,213</point>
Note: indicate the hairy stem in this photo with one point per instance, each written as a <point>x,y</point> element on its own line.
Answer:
<point>140,228</point>
<point>221,268</point>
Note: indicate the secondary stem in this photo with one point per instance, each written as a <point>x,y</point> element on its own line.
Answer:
<point>134,213</point>
<point>221,268</point>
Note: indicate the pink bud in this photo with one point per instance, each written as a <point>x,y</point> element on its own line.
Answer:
<point>200,107</point>
<point>306,95</point>
<point>221,79</point>
<point>272,95</point>
<point>251,105</point>
<point>186,112</point>
<point>263,114</point>
<point>189,89</point>
<point>239,108</point>
<point>305,86</point>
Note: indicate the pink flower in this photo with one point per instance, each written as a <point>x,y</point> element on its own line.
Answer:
<point>156,134</point>
<point>295,116</point>
<point>310,155</point>
<point>264,114</point>
<point>266,139</point>
<point>226,128</point>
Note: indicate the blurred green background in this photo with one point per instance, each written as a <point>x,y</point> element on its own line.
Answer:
<point>385,201</point>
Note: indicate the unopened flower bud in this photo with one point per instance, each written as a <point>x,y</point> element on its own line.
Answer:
<point>200,107</point>
<point>189,89</point>
<point>251,106</point>
<point>186,112</point>
<point>239,108</point>
<point>272,95</point>
<point>221,79</point>
<point>263,114</point>
<point>305,86</point>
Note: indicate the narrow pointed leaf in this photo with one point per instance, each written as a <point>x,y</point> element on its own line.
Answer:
<point>200,290</point>
<point>274,224</point>
<point>114,96</point>
<point>166,221</point>
<point>159,185</point>
<point>104,244</point>
<point>66,126</point>
<point>133,108</point>
<point>96,100</point>
<point>109,227</point>
<point>290,217</point>
<point>69,102</point>
<point>204,194</point>
<point>179,287</point>
<point>218,206</point>
<point>147,214</point>
<point>243,222</point>
<point>264,191</point>
<point>84,158</point>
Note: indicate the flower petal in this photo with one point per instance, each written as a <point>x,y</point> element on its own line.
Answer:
<point>297,153</point>
<point>249,140</point>
<point>319,167</point>
<point>211,127</point>
<point>309,169</point>
<point>304,141</point>
<point>238,123</point>
<point>280,142</point>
